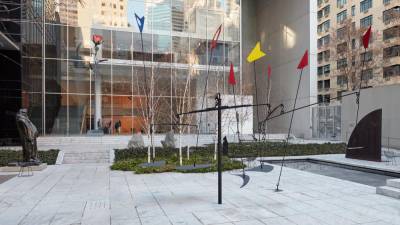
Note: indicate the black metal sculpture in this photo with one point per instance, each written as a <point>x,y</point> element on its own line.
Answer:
<point>28,134</point>
<point>365,140</point>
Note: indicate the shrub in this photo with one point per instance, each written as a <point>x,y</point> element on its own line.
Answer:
<point>8,156</point>
<point>128,159</point>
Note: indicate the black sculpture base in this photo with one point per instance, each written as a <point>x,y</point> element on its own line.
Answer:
<point>365,142</point>
<point>156,164</point>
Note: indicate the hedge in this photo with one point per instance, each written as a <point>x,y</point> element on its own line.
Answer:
<point>270,149</point>
<point>8,156</point>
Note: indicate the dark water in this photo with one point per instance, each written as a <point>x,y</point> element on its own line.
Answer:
<point>361,177</point>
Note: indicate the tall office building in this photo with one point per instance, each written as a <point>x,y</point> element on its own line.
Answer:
<point>341,23</point>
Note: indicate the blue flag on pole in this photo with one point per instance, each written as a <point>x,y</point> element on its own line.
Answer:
<point>140,22</point>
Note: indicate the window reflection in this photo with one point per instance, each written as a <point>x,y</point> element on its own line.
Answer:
<point>175,48</point>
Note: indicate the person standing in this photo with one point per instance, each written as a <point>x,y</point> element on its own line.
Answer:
<point>117,126</point>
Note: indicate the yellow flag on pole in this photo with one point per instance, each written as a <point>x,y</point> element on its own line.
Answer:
<point>256,53</point>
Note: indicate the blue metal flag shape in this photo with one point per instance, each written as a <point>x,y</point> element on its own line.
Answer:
<point>140,22</point>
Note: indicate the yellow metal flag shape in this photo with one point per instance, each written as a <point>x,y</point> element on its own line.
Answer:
<point>256,53</point>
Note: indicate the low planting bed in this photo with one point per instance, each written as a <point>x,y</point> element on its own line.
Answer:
<point>129,159</point>
<point>9,156</point>
<point>271,149</point>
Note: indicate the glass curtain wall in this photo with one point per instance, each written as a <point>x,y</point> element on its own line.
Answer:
<point>165,67</point>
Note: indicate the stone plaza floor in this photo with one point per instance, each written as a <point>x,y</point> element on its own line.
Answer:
<point>94,195</point>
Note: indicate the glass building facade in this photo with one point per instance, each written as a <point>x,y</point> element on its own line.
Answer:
<point>59,81</point>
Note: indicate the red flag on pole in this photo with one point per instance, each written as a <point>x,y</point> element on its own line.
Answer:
<point>232,80</point>
<point>216,37</point>
<point>366,37</point>
<point>304,61</point>
<point>269,72</point>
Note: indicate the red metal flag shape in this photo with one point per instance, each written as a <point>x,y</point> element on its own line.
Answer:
<point>97,39</point>
<point>216,37</point>
<point>366,37</point>
<point>232,80</point>
<point>269,72</point>
<point>304,61</point>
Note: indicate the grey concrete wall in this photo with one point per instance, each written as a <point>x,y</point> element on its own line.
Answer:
<point>286,28</point>
<point>387,98</point>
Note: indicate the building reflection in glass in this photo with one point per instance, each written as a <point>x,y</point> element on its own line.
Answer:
<point>58,86</point>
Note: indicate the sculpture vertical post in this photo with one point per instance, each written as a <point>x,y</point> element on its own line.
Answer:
<point>255,55</point>
<point>232,81</point>
<point>213,45</point>
<point>303,63</point>
<point>365,38</point>
<point>180,142</point>
<point>218,105</point>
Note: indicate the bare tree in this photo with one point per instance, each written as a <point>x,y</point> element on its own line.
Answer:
<point>346,47</point>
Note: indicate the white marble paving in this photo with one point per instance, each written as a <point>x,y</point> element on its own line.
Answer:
<point>94,195</point>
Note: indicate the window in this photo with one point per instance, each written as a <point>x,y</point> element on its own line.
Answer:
<point>366,21</point>
<point>353,10</point>
<point>327,69</point>
<point>320,70</point>
<point>341,33</point>
<point>367,74</point>
<point>320,14</point>
<point>366,56</point>
<point>324,26</point>
<point>339,95</point>
<point>324,12</point>
<point>341,48</point>
<point>341,80</point>
<point>391,71</point>
<point>390,52</point>
<point>390,14</point>
<point>353,44</point>
<point>325,55</point>
<point>324,70</point>
<point>320,84</point>
<point>324,99</point>
<point>386,2</point>
<point>365,5</point>
<point>327,98</point>
<point>323,41</point>
<point>341,3</point>
<point>320,2</point>
<point>391,33</point>
<point>341,63</point>
<point>320,99</point>
<point>327,84</point>
<point>342,16</point>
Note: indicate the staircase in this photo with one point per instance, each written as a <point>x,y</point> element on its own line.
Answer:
<point>392,189</point>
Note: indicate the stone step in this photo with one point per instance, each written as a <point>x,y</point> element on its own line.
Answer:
<point>388,191</point>
<point>86,157</point>
<point>395,183</point>
<point>86,161</point>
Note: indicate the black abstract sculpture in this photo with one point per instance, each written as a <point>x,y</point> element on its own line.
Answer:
<point>28,134</point>
<point>365,140</point>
